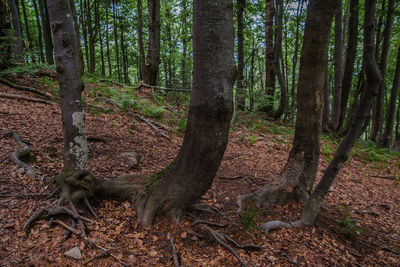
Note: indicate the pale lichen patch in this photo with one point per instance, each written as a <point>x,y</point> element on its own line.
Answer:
<point>78,120</point>
<point>78,151</point>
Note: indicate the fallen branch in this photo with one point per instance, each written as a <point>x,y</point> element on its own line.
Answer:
<point>384,177</point>
<point>141,84</point>
<point>104,253</point>
<point>208,223</point>
<point>152,126</point>
<point>19,153</point>
<point>23,88</point>
<point>174,252</point>
<point>26,98</point>
<point>368,212</point>
<point>273,225</point>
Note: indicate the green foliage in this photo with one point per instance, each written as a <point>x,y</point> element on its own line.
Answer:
<point>182,123</point>
<point>153,111</point>
<point>252,139</point>
<point>248,216</point>
<point>347,223</point>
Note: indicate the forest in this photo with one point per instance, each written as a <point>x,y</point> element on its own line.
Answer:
<point>199,133</point>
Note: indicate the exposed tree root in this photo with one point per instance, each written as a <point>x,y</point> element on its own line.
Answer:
<point>23,88</point>
<point>174,252</point>
<point>19,153</point>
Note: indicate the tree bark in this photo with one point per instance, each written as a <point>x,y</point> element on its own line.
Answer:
<point>326,111</point>
<point>153,54</point>
<point>373,79</point>
<point>184,16</point>
<point>140,36</point>
<point>378,111</point>
<point>5,38</point>
<point>78,39</point>
<point>351,53</point>
<point>92,34</point>
<point>338,71</point>
<point>39,31</point>
<point>99,30</point>
<point>18,48</point>
<point>240,88</point>
<point>297,178</point>
<point>71,85</point>
<point>124,57</point>
<point>269,56</point>
<point>48,40</point>
<point>387,138</point>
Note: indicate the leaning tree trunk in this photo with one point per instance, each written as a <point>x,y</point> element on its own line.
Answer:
<point>297,178</point>
<point>378,112</point>
<point>338,72</point>
<point>351,52</point>
<point>190,175</point>
<point>387,138</point>
<point>16,22</point>
<point>240,92</point>
<point>153,54</point>
<point>5,38</point>
<point>373,79</point>
<point>71,85</point>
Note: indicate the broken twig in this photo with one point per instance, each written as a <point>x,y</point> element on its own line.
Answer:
<point>158,131</point>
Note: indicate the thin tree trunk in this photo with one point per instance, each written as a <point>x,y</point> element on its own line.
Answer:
<point>351,53</point>
<point>18,48</point>
<point>84,30</point>
<point>240,88</point>
<point>297,178</point>
<point>338,71</point>
<point>124,57</point>
<point>140,35</point>
<point>103,67</point>
<point>278,56</point>
<point>71,86</point>
<point>91,35</point>
<point>251,86</point>
<point>108,41</point>
<point>325,112</point>
<point>378,30</point>
<point>378,112</point>
<point>387,137</point>
<point>153,54</point>
<point>269,56</point>
<point>295,56</point>
<point>27,31</point>
<point>374,78</point>
<point>116,38</point>
<point>39,31</point>
<point>48,40</point>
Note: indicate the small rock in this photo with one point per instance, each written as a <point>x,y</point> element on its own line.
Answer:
<point>331,189</point>
<point>132,157</point>
<point>153,253</point>
<point>194,238</point>
<point>74,253</point>
<point>20,171</point>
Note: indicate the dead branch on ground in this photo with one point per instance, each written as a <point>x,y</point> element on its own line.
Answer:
<point>141,84</point>
<point>158,131</point>
<point>26,98</point>
<point>384,177</point>
<point>174,252</point>
<point>23,88</point>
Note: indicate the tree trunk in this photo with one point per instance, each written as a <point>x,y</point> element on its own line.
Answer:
<point>124,57</point>
<point>116,38</point>
<point>39,31</point>
<point>108,41</point>
<point>240,88</point>
<point>373,79</point>
<point>338,64</point>
<point>378,111</point>
<point>5,38</point>
<point>251,85</point>
<point>379,29</point>
<point>140,35</point>
<point>84,31</point>
<point>325,112</point>
<point>103,67</point>
<point>27,31</point>
<point>153,54</point>
<point>18,48</point>
<point>351,53</point>
<point>297,178</point>
<point>48,40</point>
<point>71,85</point>
<point>295,56</point>
<point>269,56</point>
<point>387,138</point>
<point>91,35</point>
<point>278,56</point>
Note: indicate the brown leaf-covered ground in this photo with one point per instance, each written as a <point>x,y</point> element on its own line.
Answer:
<point>253,158</point>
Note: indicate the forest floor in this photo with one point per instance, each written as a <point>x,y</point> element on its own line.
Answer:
<point>358,224</point>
